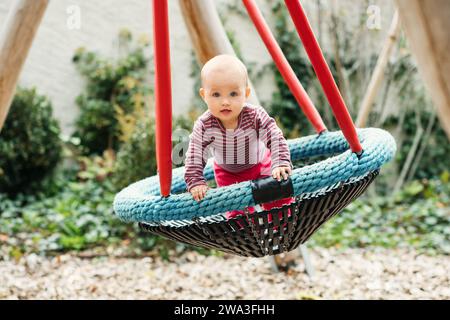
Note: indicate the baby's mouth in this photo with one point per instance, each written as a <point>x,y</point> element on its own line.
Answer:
<point>225,111</point>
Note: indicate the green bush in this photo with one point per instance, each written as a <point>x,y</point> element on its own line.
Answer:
<point>415,217</point>
<point>30,146</point>
<point>435,148</point>
<point>79,217</point>
<point>137,157</point>
<point>112,87</point>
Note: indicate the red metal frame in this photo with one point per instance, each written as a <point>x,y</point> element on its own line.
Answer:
<point>163,95</point>
<point>283,66</point>
<point>163,86</point>
<point>323,73</point>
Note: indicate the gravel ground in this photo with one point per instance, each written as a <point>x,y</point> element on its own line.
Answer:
<point>348,274</point>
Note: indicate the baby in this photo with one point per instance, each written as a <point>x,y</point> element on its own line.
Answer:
<point>245,141</point>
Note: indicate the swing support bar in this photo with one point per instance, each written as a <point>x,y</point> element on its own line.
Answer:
<point>283,66</point>
<point>163,95</point>
<point>163,88</point>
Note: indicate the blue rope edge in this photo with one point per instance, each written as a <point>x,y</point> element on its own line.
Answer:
<point>141,201</point>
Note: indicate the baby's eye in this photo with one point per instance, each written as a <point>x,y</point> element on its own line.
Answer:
<point>216,94</point>
<point>234,94</point>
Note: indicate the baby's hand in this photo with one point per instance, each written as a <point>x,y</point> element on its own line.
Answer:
<point>199,192</point>
<point>281,172</point>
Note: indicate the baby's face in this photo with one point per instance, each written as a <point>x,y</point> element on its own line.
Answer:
<point>225,94</point>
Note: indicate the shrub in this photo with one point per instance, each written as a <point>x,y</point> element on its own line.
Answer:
<point>137,157</point>
<point>283,104</point>
<point>416,217</point>
<point>30,146</point>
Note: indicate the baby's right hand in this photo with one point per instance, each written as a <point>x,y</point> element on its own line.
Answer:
<point>199,192</point>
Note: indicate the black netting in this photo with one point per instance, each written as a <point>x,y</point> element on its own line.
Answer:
<point>268,232</point>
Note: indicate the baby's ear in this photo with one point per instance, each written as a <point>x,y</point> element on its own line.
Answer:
<point>202,93</point>
<point>247,92</point>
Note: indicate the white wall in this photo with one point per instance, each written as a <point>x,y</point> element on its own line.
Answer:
<point>50,69</point>
<point>49,65</point>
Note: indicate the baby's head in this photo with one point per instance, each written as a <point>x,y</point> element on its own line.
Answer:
<point>225,88</point>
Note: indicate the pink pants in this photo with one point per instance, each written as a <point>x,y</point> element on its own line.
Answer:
<point>261,170</point>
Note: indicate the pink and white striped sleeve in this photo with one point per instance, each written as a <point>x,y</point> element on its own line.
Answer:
<point>196,157</point>
<point>272,136</point>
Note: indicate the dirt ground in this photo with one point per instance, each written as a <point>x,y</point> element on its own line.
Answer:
<point>339,274</point>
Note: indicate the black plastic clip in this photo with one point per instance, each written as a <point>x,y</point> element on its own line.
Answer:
<point>269,189</point>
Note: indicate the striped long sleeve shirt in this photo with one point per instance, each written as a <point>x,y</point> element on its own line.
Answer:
<point>234,150</point>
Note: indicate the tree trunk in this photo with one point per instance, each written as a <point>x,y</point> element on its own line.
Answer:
<point>207,33</point>
<point>15,41</point>
<point>427,25</point>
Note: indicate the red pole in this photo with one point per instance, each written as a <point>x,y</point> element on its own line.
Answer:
<point>323,73</point>
<point>163,95</point>
<point>283,66</point>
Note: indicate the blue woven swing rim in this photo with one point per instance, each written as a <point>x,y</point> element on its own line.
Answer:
<point>141,201</point>
<point>218,218</point>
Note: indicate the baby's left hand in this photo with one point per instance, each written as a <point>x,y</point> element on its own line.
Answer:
<point>281,172</point>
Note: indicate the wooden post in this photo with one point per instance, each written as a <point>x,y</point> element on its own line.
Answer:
<point>207,33</point>
<point>16,38</point>
<point>378,74</point>
<point>427,25</point>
